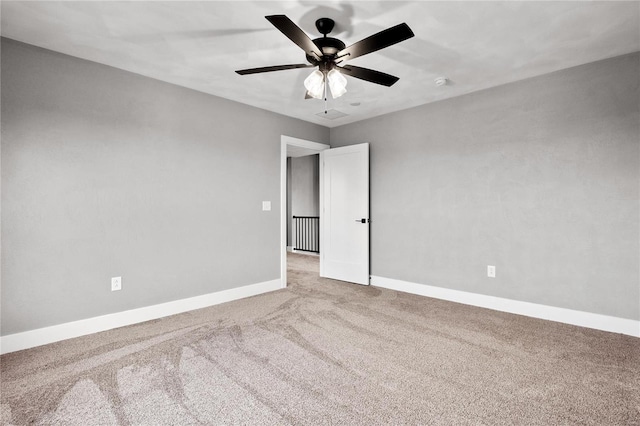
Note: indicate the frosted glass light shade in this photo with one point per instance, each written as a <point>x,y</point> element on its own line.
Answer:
<point>315,84</point>
<point>337,83</point>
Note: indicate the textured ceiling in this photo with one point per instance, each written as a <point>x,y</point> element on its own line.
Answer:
<point>475,45</point>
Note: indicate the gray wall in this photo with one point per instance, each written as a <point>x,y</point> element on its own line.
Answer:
<point>107,173</point>
<point>538,177</point>
<point>303,189</point>
<point>305,186</point>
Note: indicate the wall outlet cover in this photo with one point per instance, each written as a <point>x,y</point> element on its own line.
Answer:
<point>266,206</point>
<point>116,283</point>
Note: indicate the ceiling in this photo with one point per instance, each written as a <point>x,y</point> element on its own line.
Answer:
<point>476,45</point>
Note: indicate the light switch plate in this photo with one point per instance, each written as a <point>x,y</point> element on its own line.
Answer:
<point>266,206</point>
<point>491,271</point>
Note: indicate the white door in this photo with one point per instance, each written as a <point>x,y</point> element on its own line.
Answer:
<point>344,213</point>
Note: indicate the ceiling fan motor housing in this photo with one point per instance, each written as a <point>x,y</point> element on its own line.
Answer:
<point>329,46</point>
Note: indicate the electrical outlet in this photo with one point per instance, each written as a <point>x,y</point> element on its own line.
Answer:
<point>491,271</point>
<point>116,283</point>
<point>266,206</point>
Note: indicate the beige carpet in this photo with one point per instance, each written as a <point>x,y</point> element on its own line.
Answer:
<point>326,352</point>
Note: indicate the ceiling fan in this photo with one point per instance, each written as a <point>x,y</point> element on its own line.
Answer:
<point>327,53</point>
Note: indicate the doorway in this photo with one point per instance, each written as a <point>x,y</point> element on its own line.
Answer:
<point>290,147</point>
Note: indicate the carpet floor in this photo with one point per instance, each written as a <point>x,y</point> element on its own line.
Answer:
<point>325,352</point>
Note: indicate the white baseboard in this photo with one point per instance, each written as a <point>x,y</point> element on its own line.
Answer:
<point>552,313</point>
<point>306,253</point>
<point>43,336</point>
<point>292,249</point>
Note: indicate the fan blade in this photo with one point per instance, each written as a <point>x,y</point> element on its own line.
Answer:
<point>384,38</point>
<point>369,75</point>
<point>274,68</point>
<point>295,34</point>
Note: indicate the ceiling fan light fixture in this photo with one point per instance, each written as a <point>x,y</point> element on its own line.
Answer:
<point>327,52</point>
<point>337,83</point>
<point>314,84</point>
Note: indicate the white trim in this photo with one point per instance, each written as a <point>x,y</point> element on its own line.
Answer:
<point>305,253</point>
<point>552,313</point>
<point>314,146</point>
<point>321,207</point>
<point>43,336</point>
<point>284,141</point>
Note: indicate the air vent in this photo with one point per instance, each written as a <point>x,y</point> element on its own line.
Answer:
<point>332,114</point>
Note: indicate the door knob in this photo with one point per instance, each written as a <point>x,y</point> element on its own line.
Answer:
<point>361,220</point>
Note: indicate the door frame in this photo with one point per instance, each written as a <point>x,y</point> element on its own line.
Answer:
<point>286,141</point>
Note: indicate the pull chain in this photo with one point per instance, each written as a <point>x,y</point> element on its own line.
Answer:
<point>325,94</point>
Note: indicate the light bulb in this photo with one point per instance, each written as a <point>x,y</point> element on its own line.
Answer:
<point>337,83</point>
<point>315,84</point>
